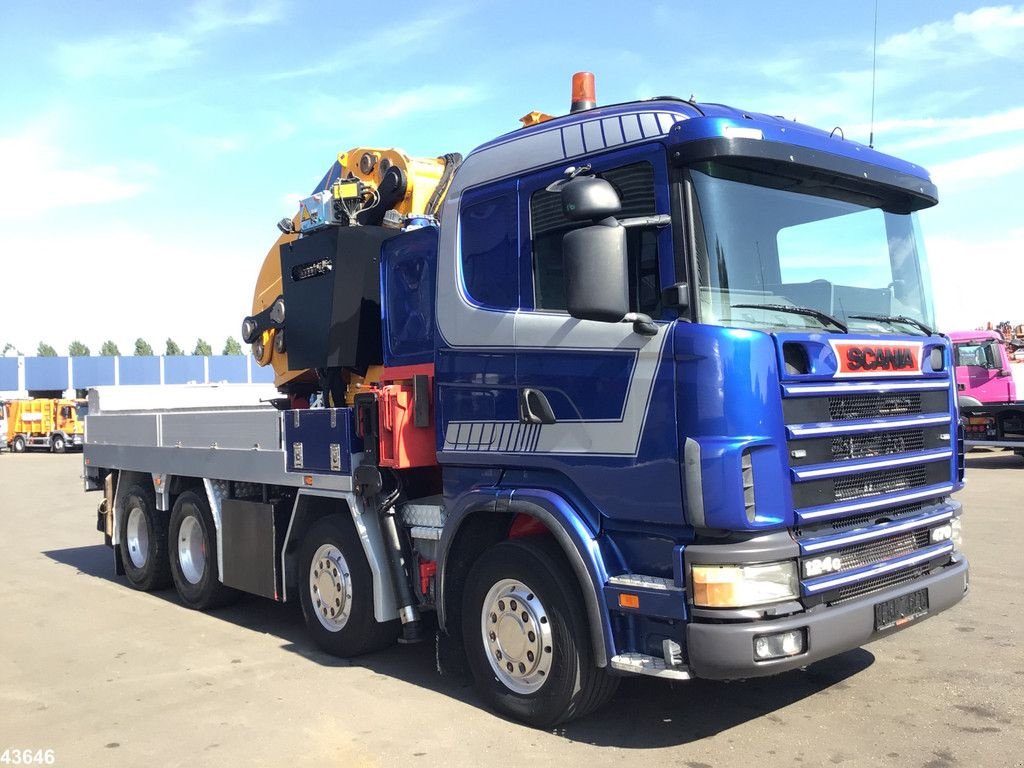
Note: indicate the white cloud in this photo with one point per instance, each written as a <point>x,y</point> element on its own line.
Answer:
<point>214,15</point>
<point>402,40</point>
<point>124,55</point>
<point>384,107</point>
<point>913,133</point>
<point>995,31</point>
<point>36,178</point>
<point>146,53</point>
<point>966,171</point>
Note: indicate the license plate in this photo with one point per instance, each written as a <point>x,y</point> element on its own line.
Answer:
<point>901,610</point>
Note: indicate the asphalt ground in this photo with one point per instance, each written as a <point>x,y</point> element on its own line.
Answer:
<point>104,675</point>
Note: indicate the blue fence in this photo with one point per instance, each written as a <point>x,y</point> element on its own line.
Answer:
<point>8,374</point>
<point>26,374</point>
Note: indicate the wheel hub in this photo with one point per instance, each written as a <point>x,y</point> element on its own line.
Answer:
<point>191,549</point>
<point>330,587</point>
<point>137,536</point>
<point>517,635</point>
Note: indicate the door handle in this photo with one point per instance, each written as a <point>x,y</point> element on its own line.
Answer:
<point>534,407</point>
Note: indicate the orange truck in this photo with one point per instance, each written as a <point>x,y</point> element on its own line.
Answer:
<point>45,423</point>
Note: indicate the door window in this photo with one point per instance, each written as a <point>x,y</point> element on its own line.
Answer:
<point>635,185</point>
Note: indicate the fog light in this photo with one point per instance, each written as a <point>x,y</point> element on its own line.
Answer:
<point>779,645</point>
<point>956,534</point>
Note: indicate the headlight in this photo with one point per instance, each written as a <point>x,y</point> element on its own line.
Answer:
<point>739,586</point>
<point>957,537</point>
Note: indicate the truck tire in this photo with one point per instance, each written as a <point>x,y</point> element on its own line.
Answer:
<point>193,543</point>
<point>336,591</point>
<point>143,540</point>
<point>58,444</point>
<point>526,639</point>
<point>18,444</point>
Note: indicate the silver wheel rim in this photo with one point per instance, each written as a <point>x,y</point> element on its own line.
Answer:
<point>58,443</point>
<point>330,588</point>
<point>516,632</point>
<point>137,536</point>
<point>191,549</point>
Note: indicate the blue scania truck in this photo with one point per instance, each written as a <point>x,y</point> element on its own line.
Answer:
<point>651,388</point>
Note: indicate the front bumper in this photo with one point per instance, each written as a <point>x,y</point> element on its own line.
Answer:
<point>726,651</point>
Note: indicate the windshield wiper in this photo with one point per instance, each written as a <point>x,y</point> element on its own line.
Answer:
<point>822,317</point>
<point>895,319</point>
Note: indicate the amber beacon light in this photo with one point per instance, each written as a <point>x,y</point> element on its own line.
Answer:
<point>584,94</point>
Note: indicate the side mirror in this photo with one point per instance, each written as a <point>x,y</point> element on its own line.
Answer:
<point>596,272</point>
<point>588,197</point>
<point>1003,373</point>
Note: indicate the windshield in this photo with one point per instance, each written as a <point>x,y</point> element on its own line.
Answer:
<point>81,411</point>
<point>983,354</point>
<point>761,244</point>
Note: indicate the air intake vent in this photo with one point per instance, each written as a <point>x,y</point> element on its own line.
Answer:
<point>748,486</point>
<point>879,444</point>
<point>866,484</point>
<point>877,584</point>
<point>846,407</point>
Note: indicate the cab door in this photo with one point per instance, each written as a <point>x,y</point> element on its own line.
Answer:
<point>596,399</point>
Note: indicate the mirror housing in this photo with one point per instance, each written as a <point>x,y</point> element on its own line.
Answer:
<point>596,272</point>
<point>677,296</point>
<point>588,197</point>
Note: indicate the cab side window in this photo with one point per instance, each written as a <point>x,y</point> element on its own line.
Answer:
<point>635,185</point>
<point>490,245</point>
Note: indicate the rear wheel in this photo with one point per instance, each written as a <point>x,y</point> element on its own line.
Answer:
<point>143,540</point>
<point>526,636</point>
<point>193,545</point>
<point>18,444</point>
<point>336,591</point>
<point>57,444</point>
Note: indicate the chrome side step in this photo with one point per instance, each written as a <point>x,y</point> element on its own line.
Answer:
<point>642,664</point>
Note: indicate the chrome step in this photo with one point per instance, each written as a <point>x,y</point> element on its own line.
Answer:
<point>642,664</point>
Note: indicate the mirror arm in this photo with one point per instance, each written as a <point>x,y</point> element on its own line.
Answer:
<point>642,324</point>
<point>658,220</point>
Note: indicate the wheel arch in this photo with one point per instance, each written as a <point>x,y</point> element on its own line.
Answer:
<point>481,519</point>
<point>309,507</point>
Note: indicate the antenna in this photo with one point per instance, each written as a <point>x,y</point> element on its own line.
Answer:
<point>874,58</point>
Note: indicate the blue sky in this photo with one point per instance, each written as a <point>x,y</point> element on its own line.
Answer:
<point>147,149</point>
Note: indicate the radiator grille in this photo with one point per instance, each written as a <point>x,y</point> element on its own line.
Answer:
<point>877,444</point>
<point>866,484</point>
<point>870,517</point>
<point>877,584</point>
<point>859,555</point>
<point>846,407</point>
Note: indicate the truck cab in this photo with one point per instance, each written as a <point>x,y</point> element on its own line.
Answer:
<point>54,424</point>
<point>735,406</point>
<point>984,374</point>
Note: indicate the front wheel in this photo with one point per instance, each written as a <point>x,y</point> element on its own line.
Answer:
<point>526,636</point>
<point>18,445</point>
<point>57,444</point>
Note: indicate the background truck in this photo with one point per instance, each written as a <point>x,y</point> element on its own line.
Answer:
<point>987,392</point>
<point>643,389</point>
<point>54,424</point>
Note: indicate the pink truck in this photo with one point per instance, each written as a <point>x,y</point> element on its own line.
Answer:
<point>990,411</point>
